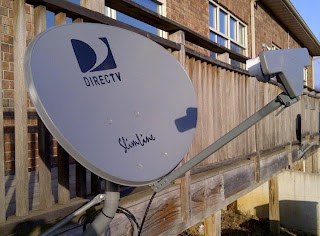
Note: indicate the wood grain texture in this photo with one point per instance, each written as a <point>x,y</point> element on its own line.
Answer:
<point>63,156</point>
<point>274,211</point>
<point>2,170</point>
<point>98,6</point>
<point>46,197</point>
<point>20,109</point>
<point>81,171</point>
<point>95,5</point>
<point>185,181</point>
<point>212,224</point>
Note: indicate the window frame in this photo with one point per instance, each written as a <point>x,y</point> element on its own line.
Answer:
<point>161,9</point>
<point>227,36</point>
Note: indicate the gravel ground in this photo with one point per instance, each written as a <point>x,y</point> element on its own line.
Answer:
<point>237,224</point>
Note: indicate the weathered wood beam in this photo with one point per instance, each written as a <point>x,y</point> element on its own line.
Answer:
<point>20,109</point>
<point>63,156</point>
<point>2,170</point>
<point>46,197</point>
<point>139,12</point>
<point>274,211</point>
<point>81,172</point>
<point>178,37</point>
<point>98,6</point>
<point>74,11</point>
<point>212,224</point>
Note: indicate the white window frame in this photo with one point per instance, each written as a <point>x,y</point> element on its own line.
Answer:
<point>274,47</point>
<point>161,9</point>
<point>227,37</point>
<point>305,76</point>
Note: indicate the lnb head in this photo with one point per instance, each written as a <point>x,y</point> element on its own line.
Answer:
<point>286,64</point>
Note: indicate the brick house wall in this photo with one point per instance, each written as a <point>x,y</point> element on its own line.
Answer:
<point>195,15</point>
<point>191,13</point>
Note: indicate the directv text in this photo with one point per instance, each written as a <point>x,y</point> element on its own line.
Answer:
<point>102,79</point>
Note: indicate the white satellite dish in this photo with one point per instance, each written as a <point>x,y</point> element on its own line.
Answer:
<point>119,103</point>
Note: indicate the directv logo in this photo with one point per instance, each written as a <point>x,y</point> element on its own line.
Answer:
<point>87,61</point>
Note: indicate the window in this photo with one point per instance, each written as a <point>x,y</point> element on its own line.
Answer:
<point>274,47</point>
<point>153,5</point>
<point>305,75</point>
<point>227,30</point>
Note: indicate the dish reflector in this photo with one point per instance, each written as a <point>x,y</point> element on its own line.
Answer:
<point>119,103</point>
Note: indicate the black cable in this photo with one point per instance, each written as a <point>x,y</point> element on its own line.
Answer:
<point>122,209</point>
<point>131,221</point>
<point>146,212</point>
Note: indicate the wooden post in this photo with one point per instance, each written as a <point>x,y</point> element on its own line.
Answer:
<point>185,184</point>
<point>95,5</point>
<point>224,57</point>
<point>274,212</point>
<point>2,171</point>
<point>99,6</point>
<point>63,156</point>
<point>81,172</point>
<point>212,225</point>
<point>20,109</point>
<point>46,197</point>
<point>81,181</point>
<point>63,176</point>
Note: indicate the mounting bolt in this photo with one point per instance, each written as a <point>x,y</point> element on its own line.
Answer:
<point>165,154</point>
<point>109,120</point>
<point>137,114</point>
<point>140,166</point>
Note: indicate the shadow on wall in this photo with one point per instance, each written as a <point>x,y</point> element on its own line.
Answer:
<point>298,215</point>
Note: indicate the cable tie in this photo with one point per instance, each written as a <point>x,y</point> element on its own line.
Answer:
<point>107,215</point>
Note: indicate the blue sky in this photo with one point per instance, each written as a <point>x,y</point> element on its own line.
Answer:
<point>309,10</point>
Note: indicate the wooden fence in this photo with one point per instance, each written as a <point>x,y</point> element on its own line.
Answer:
<point>226,96</point>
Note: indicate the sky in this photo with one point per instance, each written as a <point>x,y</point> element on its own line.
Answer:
<point>309,11</point>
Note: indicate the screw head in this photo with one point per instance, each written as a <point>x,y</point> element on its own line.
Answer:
<point>109,120</point>
<point>137,113</point>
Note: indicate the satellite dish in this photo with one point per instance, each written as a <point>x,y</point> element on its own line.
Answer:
<point>117,102</point>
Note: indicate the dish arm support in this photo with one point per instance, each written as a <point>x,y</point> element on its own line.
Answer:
<point>281,100</point>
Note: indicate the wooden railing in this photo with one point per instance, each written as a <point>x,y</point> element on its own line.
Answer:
<point>226,96</point>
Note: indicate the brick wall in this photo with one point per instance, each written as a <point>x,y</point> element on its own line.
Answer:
<point>191,13</point>
<point>195,15</point>
<point>7,63</point>
<point>271,31</point>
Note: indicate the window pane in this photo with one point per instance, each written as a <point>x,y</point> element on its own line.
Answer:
<point>74,1</point>
<point>235,47</point>
<point>222,41</point>
<point>223,22</point>
<point>213,37</point>
<point>212,15</point>
<point>151,5</point>
<point>241,34</point>
<point>233,28</point>
<point>136,23</point>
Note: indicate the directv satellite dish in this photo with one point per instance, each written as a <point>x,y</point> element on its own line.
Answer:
<point>117,102</point>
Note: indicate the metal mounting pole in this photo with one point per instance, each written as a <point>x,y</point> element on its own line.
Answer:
<point>280,100</point>
<point>110,206</point>
<point>96,200</point>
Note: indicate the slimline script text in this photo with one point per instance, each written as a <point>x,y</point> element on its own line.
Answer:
<point>136,142</point>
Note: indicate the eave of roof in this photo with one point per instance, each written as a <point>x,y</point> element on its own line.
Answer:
<point>289,16</point>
